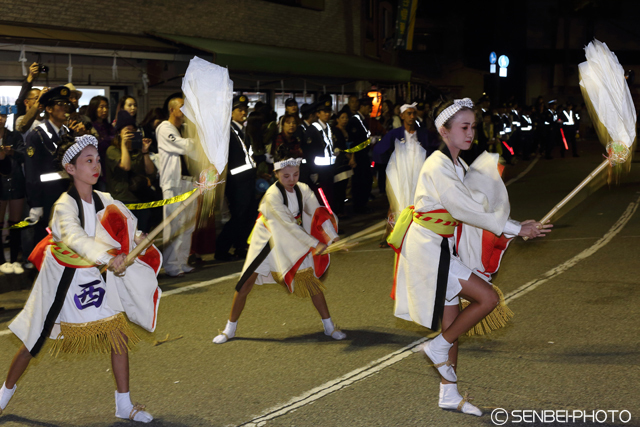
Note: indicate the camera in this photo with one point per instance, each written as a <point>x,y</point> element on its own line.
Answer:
<point>136,141</point>
<point>43,68</point>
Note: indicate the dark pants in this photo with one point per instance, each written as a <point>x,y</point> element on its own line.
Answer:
<point>148,218</point>
<point>381,171</point>
<point>339,194</point>
<point>242,206</point>
<point>570,135</point>
<point>325,181</point>
<point>362,181</point>
<point>14,244</point>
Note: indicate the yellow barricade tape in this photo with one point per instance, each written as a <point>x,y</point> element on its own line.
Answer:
<point>132,207</point>
<point>158,203</point>
<point>359,147</point>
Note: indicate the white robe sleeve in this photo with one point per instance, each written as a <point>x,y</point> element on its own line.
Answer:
<point>274,209</point>
<point>511,228</point>
<point>65,227</point>
<point>310,202</point>
<point>458,200</point>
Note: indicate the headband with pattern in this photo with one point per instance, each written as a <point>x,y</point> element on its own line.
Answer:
<point>451,110</point>
<point>81,142</point>
<point>289,162</point>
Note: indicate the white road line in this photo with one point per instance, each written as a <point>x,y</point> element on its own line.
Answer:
<point>200,285</point>
<point>524,172</point>
<point>613,231</point>
<point>395,357</point>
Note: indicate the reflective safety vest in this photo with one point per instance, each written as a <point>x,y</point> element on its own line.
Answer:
<point>249,163</point>
<point>329,158</point>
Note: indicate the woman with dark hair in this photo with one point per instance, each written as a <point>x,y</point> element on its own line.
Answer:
<point>435,269</point>
<point>98,113</point>
<point>129,104</point>
<point>130,170</point>
<point>12,192</point>
<point>388,119</point>
<point>345,162</point>
<point>153,118</point>
<point>289,137</point>
<point>261,133</point>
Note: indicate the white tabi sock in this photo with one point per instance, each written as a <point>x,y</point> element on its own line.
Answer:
<point>127,410</point>
<point>450,398</point>
<point>438,351</point>
<point>330,330</point>
<point>5,396</point>
<point>228,333</point>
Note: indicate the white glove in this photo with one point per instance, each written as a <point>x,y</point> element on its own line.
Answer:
<point>314,178</point>
<point>34,215</point>
<point>336,151</point>
<point>374,140</point>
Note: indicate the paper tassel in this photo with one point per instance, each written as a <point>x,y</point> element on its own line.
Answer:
<point>23,61</point>
<point>145,82</point>
<point>114,68</point>
<point>70,71</point>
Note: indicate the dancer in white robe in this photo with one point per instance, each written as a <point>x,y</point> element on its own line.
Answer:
<point>70,301</point>
<point>286,245</point>
<point>432,271</point>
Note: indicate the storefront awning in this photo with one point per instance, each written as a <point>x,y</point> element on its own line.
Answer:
<point>82,42</point>
<point>253,58</point>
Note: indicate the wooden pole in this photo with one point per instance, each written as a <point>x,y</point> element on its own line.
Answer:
<point>152,235</point>
<point>573,193</point>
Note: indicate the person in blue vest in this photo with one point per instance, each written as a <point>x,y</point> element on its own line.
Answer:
<point>45,184</point>
<point>240,187</point>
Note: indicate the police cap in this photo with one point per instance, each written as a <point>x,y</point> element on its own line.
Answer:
<point>324,103</point>
<point>59,93</point>
<point>290,102</point>
<point>240,101</point>
<point>307,109</point>
<point>420,105</point>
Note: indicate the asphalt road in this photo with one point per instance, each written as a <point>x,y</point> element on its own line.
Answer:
<point>572,346</point>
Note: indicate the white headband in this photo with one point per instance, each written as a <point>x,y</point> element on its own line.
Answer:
<point>289,162</point>
<point>451,110</point>
<point>405,107</point>
<point>81,143</point>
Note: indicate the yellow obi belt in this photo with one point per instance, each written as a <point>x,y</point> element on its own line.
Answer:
<point>439,221</point>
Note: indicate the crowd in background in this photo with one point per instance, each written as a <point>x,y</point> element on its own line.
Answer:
<point>145,160</point>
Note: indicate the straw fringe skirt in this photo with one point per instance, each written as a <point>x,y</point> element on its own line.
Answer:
<point>305,283</point>
<point>101,336</point>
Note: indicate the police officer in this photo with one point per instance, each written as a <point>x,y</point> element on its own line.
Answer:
<point>526,129</point>
<point>553,136</point>
<point>362,174</point>
<point>240,189</point>
<point>309,116</point>
<point>45,182</point>
<point>318,149</point>
<point>570,126</point>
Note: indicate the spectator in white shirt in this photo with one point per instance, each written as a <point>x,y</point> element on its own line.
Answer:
<point>174,180</point>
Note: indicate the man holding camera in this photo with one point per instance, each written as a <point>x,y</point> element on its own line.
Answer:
<point>44,183</point>
<point>28,105</point>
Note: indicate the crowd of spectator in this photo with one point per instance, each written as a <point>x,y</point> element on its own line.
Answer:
<point>144,161</point>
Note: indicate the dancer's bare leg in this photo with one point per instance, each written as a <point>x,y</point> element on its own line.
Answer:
<point>19,364</point>
<point>449,315</point>
<point>120,365</point>
<point>320,304</point>
<point>239,300</point>
<point>483,300</point>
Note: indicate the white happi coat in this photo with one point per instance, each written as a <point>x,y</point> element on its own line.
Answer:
<point>479,200</point>
<point>136,293</point>
<point>289,242</point>
<point>403,171</point>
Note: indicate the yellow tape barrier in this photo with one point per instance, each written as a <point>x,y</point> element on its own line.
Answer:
<point>132,207</point>
<point>359,147</point>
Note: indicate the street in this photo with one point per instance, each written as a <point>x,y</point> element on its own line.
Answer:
<point>572,345</point>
